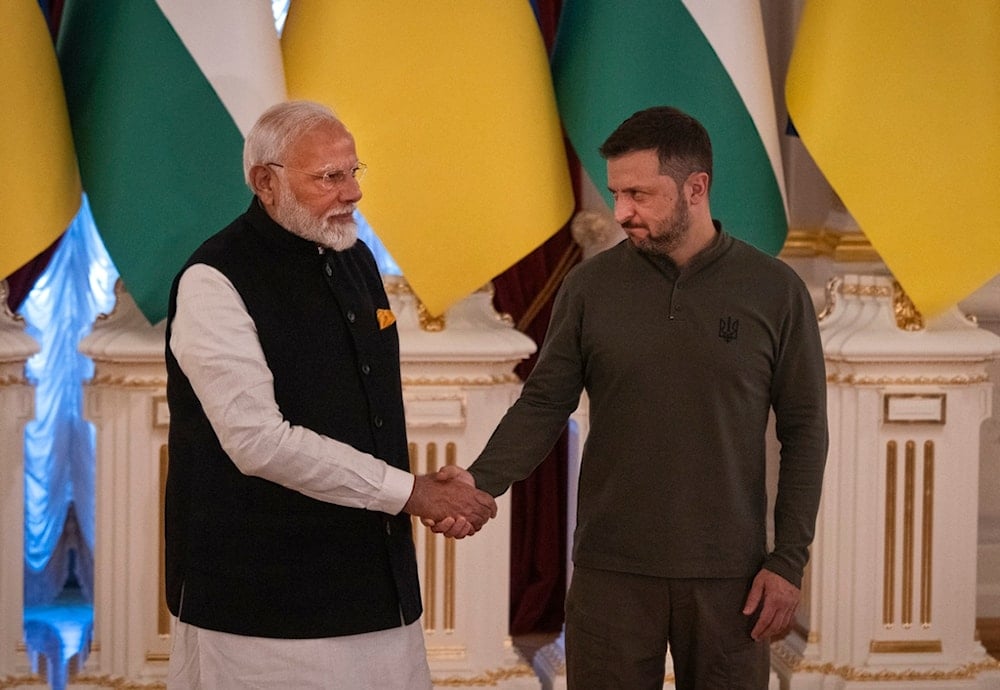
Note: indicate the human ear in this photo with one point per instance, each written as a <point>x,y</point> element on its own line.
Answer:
<point>262,182</point>
<point>696,187</point>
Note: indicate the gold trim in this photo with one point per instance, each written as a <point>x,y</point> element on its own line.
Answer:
<point>430,555</point>
<point>450,566</point>
<point>905,647</point>
<point>796,664</point>
<point>888,397</point>
<point>493,380</point>
<point>489,678</point>
<point>163,613</point>
<point>854,248</point>
<point>429,322</point>
<point>909,492</point>
<point>908,317</point>
<point>858,290</point>
<point>843,247</point>
<point>117,683</point>
<point>927,536</point>
<point>128,381</point>
<point>889,554</point>
<point>862,380</point>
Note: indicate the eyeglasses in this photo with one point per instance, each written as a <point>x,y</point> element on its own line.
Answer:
<point>331,179</point>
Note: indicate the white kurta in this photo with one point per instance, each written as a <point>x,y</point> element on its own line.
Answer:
<point>215,343</point>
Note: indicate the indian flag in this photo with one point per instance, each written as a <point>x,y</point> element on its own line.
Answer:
<point>161,94</point>
<point>39,183</point>
<point>452,107</point>
<point>898,102</point>
<point>705,57</point>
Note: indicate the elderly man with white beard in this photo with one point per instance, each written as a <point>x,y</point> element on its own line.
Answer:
<point>289,556</point>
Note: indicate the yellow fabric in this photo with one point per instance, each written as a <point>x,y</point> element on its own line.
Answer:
<point>39,182</point>
<point>452,107</point>
<point>898,102</point>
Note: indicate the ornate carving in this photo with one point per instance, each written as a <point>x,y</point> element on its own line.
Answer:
<point>487,679</point>
<point>796,664</point>
<point>860,380</point>
<point>428,321</point>
<point>908,317</point>
<point>494,380</point>
<point>832,291</point>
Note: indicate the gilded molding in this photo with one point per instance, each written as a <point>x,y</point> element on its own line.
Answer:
<point>927,536</point>
<point>794,663</point>
<point>905,646</point>
<point>428,321</point>
<point>861,380</point>
<point>908,317</point>
<point>856,290</point>
<point>889,554</point>
<point>843,247</point>
<point>128,381</point>
<point>487,679</point>
<point>494,380</point>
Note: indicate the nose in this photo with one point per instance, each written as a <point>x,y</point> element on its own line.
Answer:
<point>350,191</point>
<point>623,209</point>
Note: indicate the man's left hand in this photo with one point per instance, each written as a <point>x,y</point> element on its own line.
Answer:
<point>777,599</point>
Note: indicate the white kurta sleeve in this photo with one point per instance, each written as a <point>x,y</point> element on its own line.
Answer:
<point>215,343</point>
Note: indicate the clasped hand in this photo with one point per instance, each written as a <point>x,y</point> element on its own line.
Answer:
<point>449,503</point>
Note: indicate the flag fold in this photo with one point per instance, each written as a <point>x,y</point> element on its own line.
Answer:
<point>898,102</point>
<point>705,57</point>
<point>452,107</point>
<point>39,182</point>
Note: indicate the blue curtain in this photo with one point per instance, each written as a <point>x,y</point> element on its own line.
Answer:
<point>59,484</point>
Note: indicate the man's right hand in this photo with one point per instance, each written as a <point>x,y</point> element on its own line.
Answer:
<point>449,502</point>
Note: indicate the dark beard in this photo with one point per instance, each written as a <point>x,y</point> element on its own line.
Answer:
<point>671,233</point>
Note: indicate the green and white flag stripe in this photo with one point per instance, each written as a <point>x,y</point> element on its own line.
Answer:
<point>160,95</point>
<point>706,57</point>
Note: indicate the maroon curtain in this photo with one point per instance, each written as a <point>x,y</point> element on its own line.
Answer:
<point>23,279</point>
<point>538,510</point>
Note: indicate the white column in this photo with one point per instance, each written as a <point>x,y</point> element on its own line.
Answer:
<point>126,402</point>
<point>458,381</point>
<point>890,593</point>
<point>16,409</point>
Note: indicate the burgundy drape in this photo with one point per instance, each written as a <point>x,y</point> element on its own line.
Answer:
<point>538,510</point>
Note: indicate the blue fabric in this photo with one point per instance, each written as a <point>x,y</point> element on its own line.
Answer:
<point>59,442</point>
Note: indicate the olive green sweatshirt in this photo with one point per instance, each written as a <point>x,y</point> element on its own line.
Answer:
<point>681,368</point>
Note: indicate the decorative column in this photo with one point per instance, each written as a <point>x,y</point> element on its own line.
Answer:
<point>458,381</point>
<point>126,402</point>
<point>17,404</point>
<point>889,599</point>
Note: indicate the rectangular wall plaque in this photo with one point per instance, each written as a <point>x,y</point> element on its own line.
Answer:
<point>912,408</point>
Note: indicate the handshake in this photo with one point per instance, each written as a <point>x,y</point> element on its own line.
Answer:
<point>449,503</point>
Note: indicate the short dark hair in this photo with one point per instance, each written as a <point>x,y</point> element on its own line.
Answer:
<point>680,141</point>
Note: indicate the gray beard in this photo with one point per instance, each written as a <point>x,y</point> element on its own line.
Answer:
<point>297,219</point>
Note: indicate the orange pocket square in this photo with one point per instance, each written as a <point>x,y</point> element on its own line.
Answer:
<point>385,318</point>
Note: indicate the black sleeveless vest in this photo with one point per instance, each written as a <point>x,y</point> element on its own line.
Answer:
<point>248,556</point>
